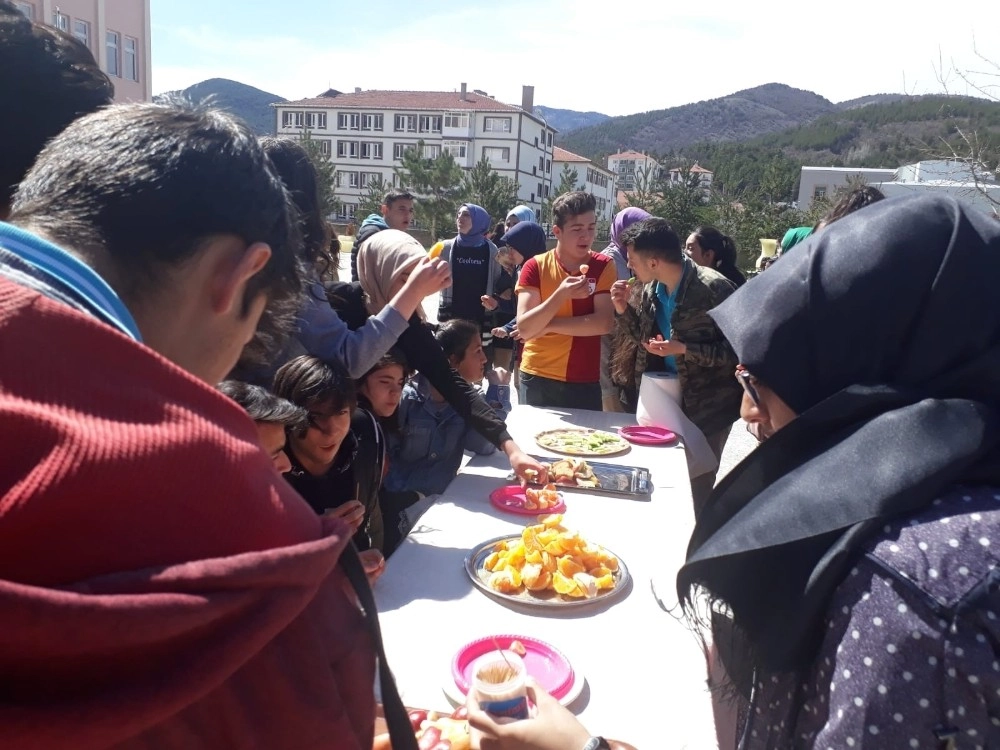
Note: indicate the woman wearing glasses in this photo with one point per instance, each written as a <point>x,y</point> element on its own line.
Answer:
<point>855,552</point>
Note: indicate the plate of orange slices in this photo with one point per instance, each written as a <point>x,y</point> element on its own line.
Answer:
<point>547,565</point>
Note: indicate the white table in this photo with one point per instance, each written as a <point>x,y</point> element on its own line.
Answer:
<point>645,671</point>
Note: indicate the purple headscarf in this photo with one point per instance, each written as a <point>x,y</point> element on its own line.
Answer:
<point>623,220</point>
<point>480,226</point>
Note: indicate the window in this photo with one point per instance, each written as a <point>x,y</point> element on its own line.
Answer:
<point>405,123</point>
<point>27,10</point>
<point>819,192</point>
<point>324,146</point>
<point>548,165</point>
<point>81,30</point>
<point>550,138</point>
<point>496,125</point>
<point>371,122</point>
<point>130,61</point>
<point>60,21</point>
<point>546,191</point>
<point>352,179</point>
<point>458,149</point>
<point>291,119</point>
<point>348,121</point>
<point>541,164</point>
<point>350,209</point>
<point>497,153</point>
<point>432,152</point>
<point>114,65</point>
<point>370,178</point>
<point>540,188</point>
<point>347,149</point>
<point>316,120</point>
<point>399,149</point>
<point>536,144</point>
<point>430,123</point>
<point>371,150</point>
<point>459,120</point>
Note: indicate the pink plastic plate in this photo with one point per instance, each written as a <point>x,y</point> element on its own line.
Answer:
<point>511,498</point>
<point>547,665</point>
<point>642,435</point>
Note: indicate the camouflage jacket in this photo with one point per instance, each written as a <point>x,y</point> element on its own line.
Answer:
<point>711,396</point>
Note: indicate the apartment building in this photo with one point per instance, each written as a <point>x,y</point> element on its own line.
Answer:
<point>366,133</point>
<point>590,177</point>
<point>117,32</point>
<point>632,167</point>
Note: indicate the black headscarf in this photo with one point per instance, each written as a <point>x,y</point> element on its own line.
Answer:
<point>883,333</point>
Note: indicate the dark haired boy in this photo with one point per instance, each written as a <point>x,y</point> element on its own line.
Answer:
<point>272,416</point>
<point>673,332</point>
<point>337,458</point>
<point>563,309</point>
<point>143,248</point>
<point>396,213</point>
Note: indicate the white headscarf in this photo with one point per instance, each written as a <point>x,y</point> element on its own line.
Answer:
<point>382,258</point>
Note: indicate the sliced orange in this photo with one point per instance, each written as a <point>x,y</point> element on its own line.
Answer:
<point>569,567</point>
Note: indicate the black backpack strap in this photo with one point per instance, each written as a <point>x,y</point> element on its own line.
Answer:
<point>400,729</point>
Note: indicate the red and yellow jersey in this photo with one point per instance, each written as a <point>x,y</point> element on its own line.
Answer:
<point>571,359</point>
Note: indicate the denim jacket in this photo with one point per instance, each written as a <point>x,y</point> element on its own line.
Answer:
<point>426,453</point>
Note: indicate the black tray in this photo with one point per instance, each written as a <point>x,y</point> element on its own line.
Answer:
<point>627,481</point>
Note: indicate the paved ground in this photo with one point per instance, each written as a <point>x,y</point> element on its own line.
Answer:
<point>740,441</point>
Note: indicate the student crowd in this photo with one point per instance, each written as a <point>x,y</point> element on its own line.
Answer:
<point>212,445</point>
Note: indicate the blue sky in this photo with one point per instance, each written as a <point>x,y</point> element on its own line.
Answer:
<point>622,57</point>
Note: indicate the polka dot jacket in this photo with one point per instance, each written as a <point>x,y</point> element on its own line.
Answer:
<point>911,655</point>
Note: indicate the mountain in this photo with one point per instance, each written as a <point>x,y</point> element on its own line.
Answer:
<point>887,133</point>
<point>746,114</point>
<point>246,102</point>
<point>568,120</point>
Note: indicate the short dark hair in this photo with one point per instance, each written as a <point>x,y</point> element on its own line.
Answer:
<point>310,382</point>
<point>139,188</point>
<point>856,199</point>
<point>299,175</point>
<point>49,79</point>
<point>392,357</point>
<point>654,237</point>
<point>455,337</point>
<point>572,204</point>
<point>397,194</point>
<point>263,406</point>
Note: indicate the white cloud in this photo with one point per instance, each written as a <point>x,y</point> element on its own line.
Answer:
<point>647,56</point>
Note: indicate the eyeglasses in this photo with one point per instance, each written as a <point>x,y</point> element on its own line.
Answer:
<point>745,379</point>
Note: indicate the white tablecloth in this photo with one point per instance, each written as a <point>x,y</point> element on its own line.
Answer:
<point>646,675</point>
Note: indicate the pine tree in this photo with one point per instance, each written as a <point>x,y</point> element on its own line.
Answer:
<point>437,184</point>
<point>485,187</point>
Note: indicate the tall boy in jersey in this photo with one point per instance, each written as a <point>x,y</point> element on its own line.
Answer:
<point>563,309</point>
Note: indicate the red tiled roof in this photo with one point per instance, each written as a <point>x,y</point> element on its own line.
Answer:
<point>630,155</point>
<point>696,169</point>
<point>561,154</point>
<point>433,100</point>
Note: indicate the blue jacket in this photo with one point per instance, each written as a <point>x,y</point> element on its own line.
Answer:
<point>426,453</point>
